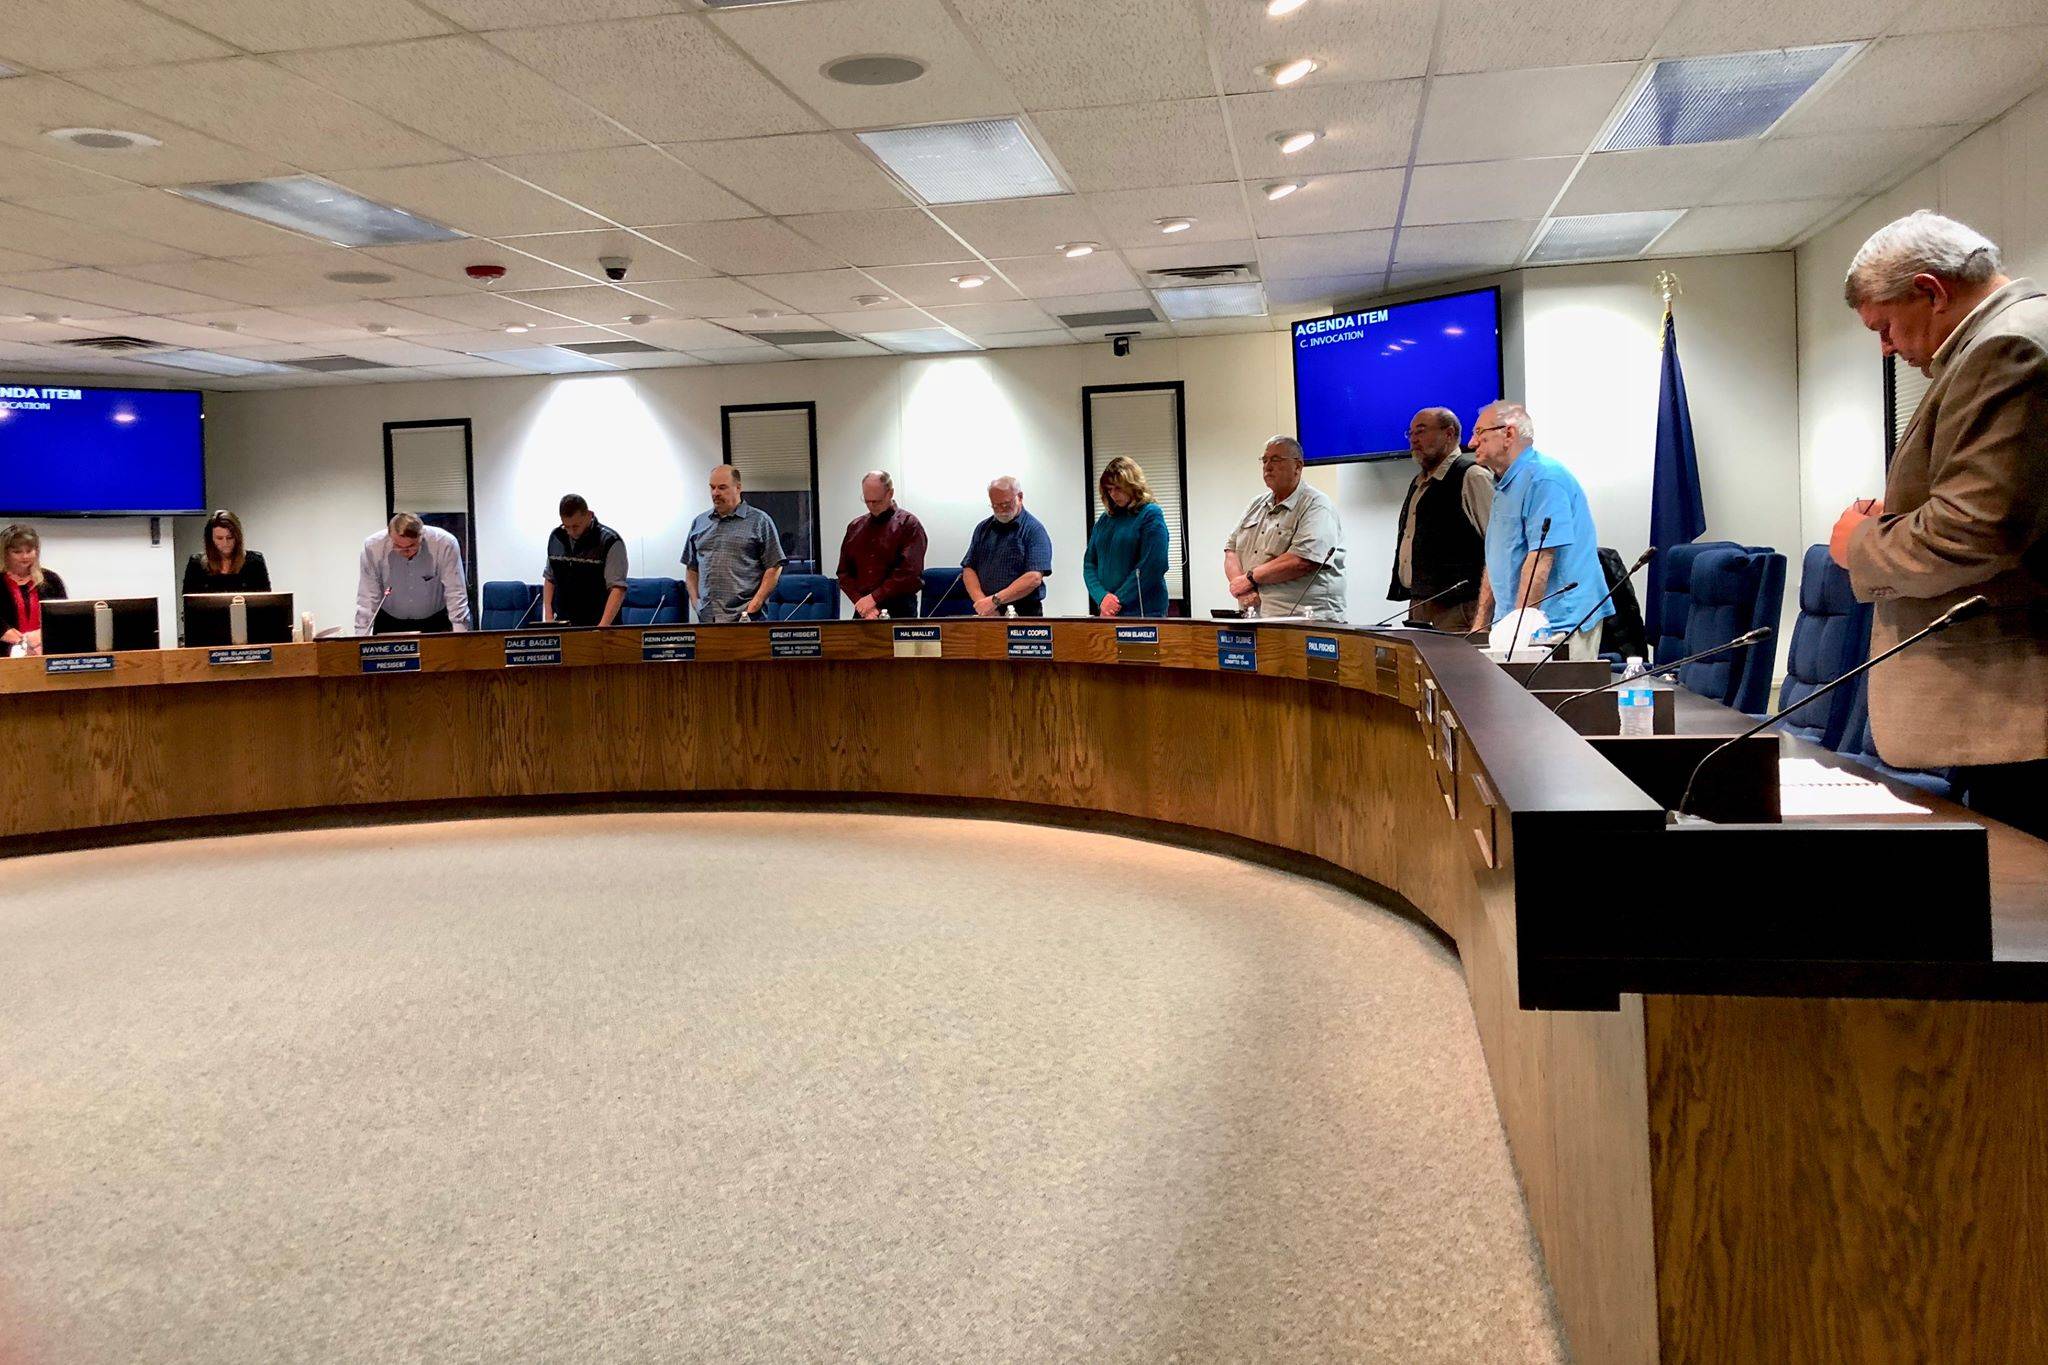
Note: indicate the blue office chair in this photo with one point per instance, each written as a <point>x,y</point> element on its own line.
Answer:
<point>652,602</point>
<point>793,589</point>
<point>943,595</point>
<point>1859,746</point>
<point>1675,595</point>
<point>1831,636</point>
<point>1734,590</point>
<point>506,604</point>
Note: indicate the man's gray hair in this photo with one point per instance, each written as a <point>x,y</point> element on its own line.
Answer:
<point>405,524</point>
<point>888,484</point>
<point>1288,444</point>
<point>1007,483</point>
<point>1508,412</point>
<point>1921,243</point>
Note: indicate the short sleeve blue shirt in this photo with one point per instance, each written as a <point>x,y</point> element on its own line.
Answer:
<point>1536,487</point>
<point>1000,555</point>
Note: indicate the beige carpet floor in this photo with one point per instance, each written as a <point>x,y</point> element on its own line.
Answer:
<point>739,1087</point>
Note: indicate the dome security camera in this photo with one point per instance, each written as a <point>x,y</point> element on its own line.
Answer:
<point>1120,344</point>
<point>615,267</point>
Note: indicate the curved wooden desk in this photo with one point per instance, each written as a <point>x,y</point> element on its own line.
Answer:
<point>1797,1131</point>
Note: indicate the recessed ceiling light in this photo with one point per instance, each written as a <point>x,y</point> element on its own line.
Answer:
<point>1173,224</point>
<point>546,360</point>
<point>360,277</point>
<point>1282,189</point>
<point>104,139</point>
<point>922,340</point>
<point>870,300</point>
<point>519,327</point>
<point>1074,251</point>
<point>1290,143</point>
<point>970,281</point>
<point>319,208</point>
<point>226,326</point>
<point>379,328</point>
<point>964,163</point>
<point>877,70</point>
<point>1276,8</point>
<point>637,319</point>
<point>1287,73</point>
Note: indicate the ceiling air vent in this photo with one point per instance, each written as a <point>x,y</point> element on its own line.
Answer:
<point>799,338</point>
<point>614,348</point>
<point>111,345</point>
<point>330,364</point>
<point>1202,274</point>
<point>1116,317</point>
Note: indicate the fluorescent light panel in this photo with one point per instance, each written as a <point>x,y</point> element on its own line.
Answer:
<point>922,339</point>
<point>1213,301</point>
<point>965,163</point>
<point>308,204</point>
<point>545,360</point>
<point>1686,100</point>
<point>1601,236</point>
<point>213,362</point>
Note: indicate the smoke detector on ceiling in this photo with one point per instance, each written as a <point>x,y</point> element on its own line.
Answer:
<point>485,274</point>
<point>875,70</point>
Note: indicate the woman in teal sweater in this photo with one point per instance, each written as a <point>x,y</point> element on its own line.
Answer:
<point>1125,567</point>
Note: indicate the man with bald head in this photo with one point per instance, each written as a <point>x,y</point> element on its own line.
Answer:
<point>881,560</point>
<point>1540,537</point>
<point>1440,546</point>
<point>733,556</point>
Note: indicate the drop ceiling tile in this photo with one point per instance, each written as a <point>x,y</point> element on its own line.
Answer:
<point>1010,341</point>
<point>189,336</point>
<point>28,178</point>
<point>579,251</point>
<point>1940,16</point>
<point>632,186</point>
<point>1364,127</point>
<point>1336,253</point>
<point>251,102</point>
<point>240,329</point>
<point>778,322</point>
<point>470,196</point>
<point>283,25</point>
<point>69,35</point>
<point>746,246</point>
<point>836,350</point>
<point>1463,244</point>
<point>16,301</point>
<point>1347,202</point>
<point>670,78</point>
<point>21,260</point>
<point>1024,227</point>
<point>482,15</point>
<point>1324,292</point>
<point>462,92</point>
<point>95,293</point>
<point>1745,227</point>
<point>654,360</point>
<point>599,304</point>
<point>978,320</point>
<point>1652,178</point>
<point>308,271</point>
<point>1924,81</point>
<point>930,286</point>
<point>58,239</point>
<point>1354,42</point>
<point>741,355</point>
<point>233,281</point>
<point>1187,254</point>
<point>711,298</point>
<point>1708,26</point>
<point>1485,191</point>
<point>798,173</point>
<point>14,327</point>
<point>875,320</point>
<point>883,237</point>
<point>1140,145</point>
<point>450,260</point>
<point>1207,327</point>
<point>1493,35</point>
<point>795,48</point>
<point>1831,164</point>
<point>163,217</point>
<point>31,104</point>
<point>814,291</point>
<point>392,351</point>
<point>1131,216</point>
<point>1065,305</point>
<point>1502,115</point>
<point>354,319</point>
<point>485,311</point>
<point>474,369</point>
<point>499,340</point>
<point>1053,276</point>
<point>688,334</point>
<point>1065,54</point>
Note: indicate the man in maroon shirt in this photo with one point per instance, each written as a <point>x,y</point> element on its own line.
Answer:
<point>881,561</point>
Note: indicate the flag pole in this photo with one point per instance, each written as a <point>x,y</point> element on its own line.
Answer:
<point>1667,283</point>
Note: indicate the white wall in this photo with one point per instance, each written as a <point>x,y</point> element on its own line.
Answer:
<point>304,467</point>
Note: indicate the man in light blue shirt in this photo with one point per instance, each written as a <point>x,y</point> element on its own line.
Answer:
<point>1530,488</point>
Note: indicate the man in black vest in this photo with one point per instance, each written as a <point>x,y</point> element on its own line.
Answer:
<point>585,580</point>
<point>1442,538</point>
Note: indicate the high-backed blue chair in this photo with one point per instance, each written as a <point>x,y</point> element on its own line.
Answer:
<point>1859,746</point>
<point>652,602</point>
<point>943,595</point>
<point>788,601</point>
<point>507,604</point>
<point>1675,596</point>
<point>1831,636</point>
<point>1733,590</point>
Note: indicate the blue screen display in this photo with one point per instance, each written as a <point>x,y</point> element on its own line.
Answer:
<point>83,452</point>
<point>1359,377</point>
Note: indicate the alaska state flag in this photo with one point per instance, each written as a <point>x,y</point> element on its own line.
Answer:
<point>1677,514</point>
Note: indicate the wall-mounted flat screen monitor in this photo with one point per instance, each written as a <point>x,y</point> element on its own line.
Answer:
<point>78,452</point>
<point>1359,377</point>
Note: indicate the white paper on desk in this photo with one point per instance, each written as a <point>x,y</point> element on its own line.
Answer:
<point>1809,787</point>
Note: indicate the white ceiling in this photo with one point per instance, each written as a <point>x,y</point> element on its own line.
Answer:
<point>707,146</point>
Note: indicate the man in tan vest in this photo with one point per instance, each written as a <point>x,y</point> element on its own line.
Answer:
<point>1965,511</point>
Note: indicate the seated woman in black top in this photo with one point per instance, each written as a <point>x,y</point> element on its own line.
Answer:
<point>24,586</point>
<point>225,565</point>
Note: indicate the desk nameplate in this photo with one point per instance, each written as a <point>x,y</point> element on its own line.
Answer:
<point>239,655</point>
<point>795,642</point>
<point>1237,651</point>
<point>1137,644</point>
<point>1029,642</point>
<point>1321,654</point>
<point>917,642</point>
<point>389,656</point>
<point>61,664</point>
<point>667,646</point>
<point>532,651</point>
<point>1386,670</point>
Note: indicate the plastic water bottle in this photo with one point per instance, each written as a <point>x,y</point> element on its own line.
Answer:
<point>1010,610</point>
<point>1638,707</point>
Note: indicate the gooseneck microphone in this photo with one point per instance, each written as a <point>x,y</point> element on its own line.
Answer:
<point>1542,543</point>
<point>1742,641</point>
<point>1955,615</point>
<point>529,612</point>
<point>958,579</point>
<point>1409,608</point>
<point>1645,557</point>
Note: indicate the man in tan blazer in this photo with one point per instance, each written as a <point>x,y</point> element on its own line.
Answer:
<point>1965,511</point>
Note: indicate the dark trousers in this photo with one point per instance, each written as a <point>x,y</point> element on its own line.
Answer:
<point>387,624</point>
<point>2016,793</point>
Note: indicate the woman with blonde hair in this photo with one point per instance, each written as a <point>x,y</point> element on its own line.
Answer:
<point>24,586</point>
<point>1125,567</point>
<point>227,564</point>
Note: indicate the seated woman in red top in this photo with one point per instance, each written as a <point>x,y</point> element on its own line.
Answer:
<point>24,586</point>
